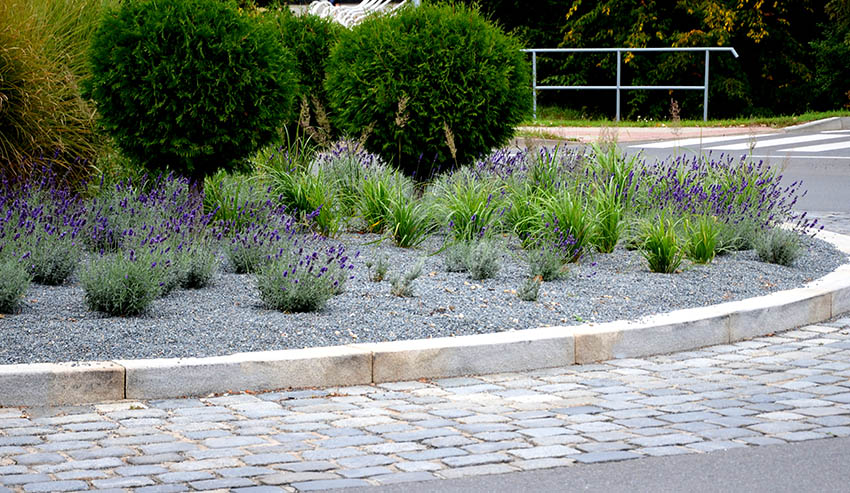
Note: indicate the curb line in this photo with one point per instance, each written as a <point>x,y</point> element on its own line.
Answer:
<point>43,384</point>
<point>833,123</point>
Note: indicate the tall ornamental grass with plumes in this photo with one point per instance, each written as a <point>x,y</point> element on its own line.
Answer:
<point>42,62</point>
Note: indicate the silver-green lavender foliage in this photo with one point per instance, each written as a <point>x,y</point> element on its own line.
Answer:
<point>14,284</point>
<point>548,264</point>
<point>484,259</point>
<point>378,269</point>
<point>779,246</point>
<point>285,289</point>
<point>456,255</point>
<point>530,289</point>
<point>123,284</point>
<point>402,285</point>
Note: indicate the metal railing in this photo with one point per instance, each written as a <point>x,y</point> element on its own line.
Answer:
<point>619,87</point>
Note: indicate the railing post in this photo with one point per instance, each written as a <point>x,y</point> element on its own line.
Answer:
<point>534,81</point>
<point>705,93</point>
<point>618,85</point>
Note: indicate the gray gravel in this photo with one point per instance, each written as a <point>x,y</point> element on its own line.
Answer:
<point>54,324</point>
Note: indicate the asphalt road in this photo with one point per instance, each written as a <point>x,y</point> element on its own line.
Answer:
<point>813,466</point>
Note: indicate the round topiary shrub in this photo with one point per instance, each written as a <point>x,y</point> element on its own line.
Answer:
<point>433,86</point>
<point>310,39</point>
<point>190,85</point>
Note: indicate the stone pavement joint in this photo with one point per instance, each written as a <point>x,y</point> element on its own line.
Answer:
<point>769,390</point>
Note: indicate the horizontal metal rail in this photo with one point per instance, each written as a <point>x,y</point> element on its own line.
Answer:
<point>619,87</point>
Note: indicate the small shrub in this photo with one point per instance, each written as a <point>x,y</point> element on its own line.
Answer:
<point>484,259</point>
<point>779,246</point>
<point>398,76</point>
<point>226,196</point>
<point>191,85</point>
<point>53,258</point>
<point>456,255</point>
<point>380,269</point>
<point>196,266</point>
<point>285,288</point>
<point>737,235</point>
<point>530,289</point>
<point>402,285</point>
<point>16,282</point>
<point>661,247</point>
<point>701,239</point>
<point>122,285</point>
<point>347,166</point>
<point>548,264</point>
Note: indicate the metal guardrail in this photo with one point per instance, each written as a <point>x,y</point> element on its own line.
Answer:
<point>619,87</point>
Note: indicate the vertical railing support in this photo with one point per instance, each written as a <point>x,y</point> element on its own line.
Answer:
<point>705,93</point>
<point>619,56</point>
<point>534,81</point>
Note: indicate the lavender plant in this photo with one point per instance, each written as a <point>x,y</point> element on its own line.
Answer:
<point>455,256</point>
<point>530,289</point>
<point>484,259</point>
<point>305,277</point>
<point>779,246</point>
<point>15,283</point>
<point>402,285</point>
<point>548,264</point>
<point>381,266</point>
<point>123,284</point>
<point>565,219</point>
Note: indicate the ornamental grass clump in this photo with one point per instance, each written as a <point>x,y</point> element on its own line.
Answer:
<point>779,246</point>
<point>408,222</point>
<point>471,207</point>
<point>564,219</point>
<point>701,238</point>
<point>660,246</point>
<point>608,226</point>
<point>14,285</point>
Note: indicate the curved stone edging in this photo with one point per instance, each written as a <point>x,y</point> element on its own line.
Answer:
<point>357,364</point>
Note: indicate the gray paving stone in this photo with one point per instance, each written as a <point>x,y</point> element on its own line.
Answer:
<point>162,488</point>
<point>365,461</point>
<point>39,458</point>
<point>126,482</point>
<point>365,472</point>
<point>266,459</point>
<point>50,486</point>
<point>324,484</point>
<point>487,469</point>
<point>713,446</point>
<point>404,477</point>
<point>475,459</point>
<point>308,466</point>
<point>258,489</point>
<point>543,452</point>
<point>295,477</point>
<point>664,440</point>
<point>82,474</point>
<point>609,456</point>
<point>547,463</point>
<point>184,476</point>
<point>799,436</point>
<point>98,453</point>
<point>244,472</point>
<point>431,454</point>
<point>154,459</point>
<point>332,453</point>
<point>13,479</point>
<point>220,484</point>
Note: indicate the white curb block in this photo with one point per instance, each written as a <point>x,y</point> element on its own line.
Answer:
<point>356,364</point>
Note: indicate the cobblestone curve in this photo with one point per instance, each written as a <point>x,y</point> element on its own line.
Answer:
<point>784,388</point>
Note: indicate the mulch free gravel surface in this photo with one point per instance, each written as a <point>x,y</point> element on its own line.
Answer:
<point>54,324</point>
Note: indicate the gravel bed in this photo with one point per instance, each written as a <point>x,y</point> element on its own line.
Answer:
<point>54,324</point>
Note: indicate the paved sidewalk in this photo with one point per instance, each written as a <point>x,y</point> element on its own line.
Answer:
<point>638,134</point>
<point>770,390</point>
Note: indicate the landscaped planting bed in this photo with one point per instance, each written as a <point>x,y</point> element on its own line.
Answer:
<point>294,255</point>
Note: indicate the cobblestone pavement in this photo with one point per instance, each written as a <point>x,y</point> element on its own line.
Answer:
<point>770,390</point>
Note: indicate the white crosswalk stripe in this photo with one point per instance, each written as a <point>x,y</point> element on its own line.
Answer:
<point>669,144</point>
<point>760,144</point>
<point>832,146</point>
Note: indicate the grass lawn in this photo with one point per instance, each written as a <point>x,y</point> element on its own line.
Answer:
<point>560,117</point>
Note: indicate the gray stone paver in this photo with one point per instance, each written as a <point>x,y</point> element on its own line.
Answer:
<point>770,390</point>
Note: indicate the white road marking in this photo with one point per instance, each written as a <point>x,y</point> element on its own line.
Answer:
<point>836,131</point>
<point>776,156</point>
<point>774,142</point>
<point>668,144</point>
<point>832,146</point>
